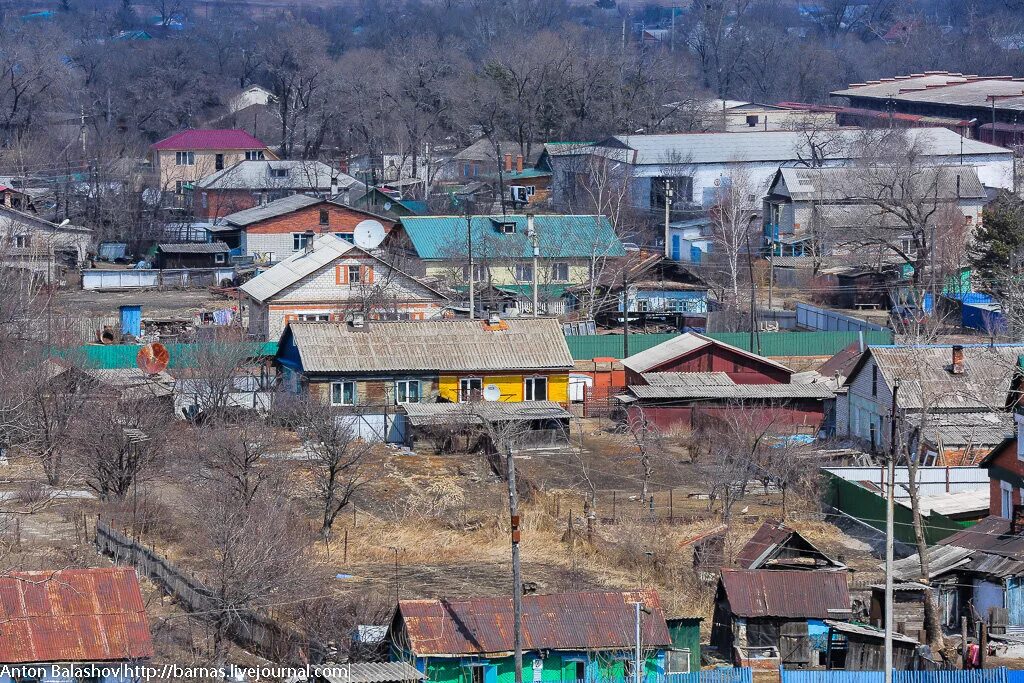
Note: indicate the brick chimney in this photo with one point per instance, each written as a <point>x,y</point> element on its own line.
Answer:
<point>957,366</point>
<point>519,163</point>
<point>508,162</point>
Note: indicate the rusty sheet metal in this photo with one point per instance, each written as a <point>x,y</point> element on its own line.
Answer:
<point>786,593</point>
<point>565,621</point>
<point>765,539</point>
<point>73,615</point>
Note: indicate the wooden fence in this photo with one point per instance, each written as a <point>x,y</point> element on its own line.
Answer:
<point>250,630</point>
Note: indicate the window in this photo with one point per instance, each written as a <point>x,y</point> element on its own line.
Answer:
<point>184,158</point>
<point>178,186</point>
<point>642,306</point>
<point>560,272</point>
<point>325,217</point>
<point>343,393</point>
<point>314,317</point>
<point>407,391</point>
<point>218,162</point>
<point>354,275</point>
<point>254,154</point>
<point>1005,500</point>
<point>874,380</point>
<point>470,388</point>
<point>299,240</point>
<point>524,272</point>
<point>467,170</point>
<point>347,236</point>
<point>507,228</point>
<point>23,241</point>
<point>204,200</point>
<point>681,186</point>
<point>627,669</point>
<point>752,120</point>
<point>536,389</point>
<point>219,258</point>
<point>477,674</point>
<point>279,173</point>
<point>479,272</point>
<point>677,661</point>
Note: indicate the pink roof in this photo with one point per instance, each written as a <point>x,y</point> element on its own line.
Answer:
<point>229,138</point>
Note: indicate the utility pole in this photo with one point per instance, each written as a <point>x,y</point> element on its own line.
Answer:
<point>771,273</point>
<point>672,34</point>
<point>472,270</point>
<point>531,230</point>
<point>753,295</point>
<point>625,316</point>
<point>889,504</point>
<point>517,578</point>
<point>637,663</point>
<point>668,210</point>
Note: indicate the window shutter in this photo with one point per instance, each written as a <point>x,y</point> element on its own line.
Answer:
<point>289,317</point>
<point>368,275</point>
<point>340,275</point>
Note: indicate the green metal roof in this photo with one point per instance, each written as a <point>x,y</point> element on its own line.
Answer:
<point>559,236</point>
<point>774,344</point>
<point>548,291</point>
<point>122,356</point>
<point>526,173</point>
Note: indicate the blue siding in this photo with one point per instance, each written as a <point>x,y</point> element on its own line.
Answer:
<point>723,675</point>
<point>1015,601</point>
<point>676,251</point>
<point>946,676</point>
<point>131,320</point>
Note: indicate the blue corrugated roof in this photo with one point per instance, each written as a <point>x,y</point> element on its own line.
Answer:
<point>559,236</point>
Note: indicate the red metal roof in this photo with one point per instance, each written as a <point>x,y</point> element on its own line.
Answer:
<point>564,621</point>
<point>786,593</point>
<point>193,139</point>
<point>73,615</point>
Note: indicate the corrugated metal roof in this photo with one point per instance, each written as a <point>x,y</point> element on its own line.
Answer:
<point>781,146</point>
<point>736,391</point>
<point>786,593</point>
<point>688,379</point>
<point>950,504</point>
<point>370,672</point>
<point>212,139</point>
<point>558,236</point>
<point>255,175</point>
<point>432,346</point>
<point>564,621</point>
<point>278,207</point>
<point>941,559</point>
<point>325,250</point>
<point>194,248</point>
<point>680,346</point>
<point>969,429</point>
<point>925,377</point>
<point>477,411</point>
<point>990,535</point>
<point>845,184</point>
<point>869,631</point>
<point>73,615</point>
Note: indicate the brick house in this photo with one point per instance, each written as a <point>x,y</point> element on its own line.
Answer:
<point>184,158</point>
<point>272,232</point>
<point>329,280</point>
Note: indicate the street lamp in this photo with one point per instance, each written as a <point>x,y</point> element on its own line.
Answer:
<point>637,663</point>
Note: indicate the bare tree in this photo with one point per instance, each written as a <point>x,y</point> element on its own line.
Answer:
<point>732,222</point>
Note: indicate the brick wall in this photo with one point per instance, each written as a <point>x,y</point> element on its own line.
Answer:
<point>275,234</point>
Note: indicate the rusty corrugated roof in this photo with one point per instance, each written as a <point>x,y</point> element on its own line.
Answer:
<point>73,615</point>
<point>786,593</point>
<point>564,621</point>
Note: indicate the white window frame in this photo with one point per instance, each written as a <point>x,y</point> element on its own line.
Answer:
<point>254,155</point>
<point>465,395</point>
<point>298,241</point>
<point>530,387</point>
<point>408,383</point>
<point>358,271</point>
<point>184,158</point>
<point>480,272</point>
<point>220,257</point>
<point>341,393</point>
<point>684,654</point>
<point>314,317</point>
<point>1005,499</point>
<point>524,272</point>
<point>555,275</point>
<point>23,241</point>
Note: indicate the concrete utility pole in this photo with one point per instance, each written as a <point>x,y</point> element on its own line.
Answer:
<point>472,273</point>
<point>637,663</point>
<point>668,209</point>
<point>517,576</point>
<point>889,504</point>
<point>531,230</point>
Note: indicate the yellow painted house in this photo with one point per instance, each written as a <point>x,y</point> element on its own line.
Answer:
<point>186,157</point>
<point>375,369</point>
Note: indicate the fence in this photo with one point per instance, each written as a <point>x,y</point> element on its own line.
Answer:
<point>250,630</point>
<point>999,675</point>
<point>814,318</point>
<point>722,675</point>
<point>932,480</point>
<point>149,278</point>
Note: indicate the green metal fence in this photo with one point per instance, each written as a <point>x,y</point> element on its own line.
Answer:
<point>122,356</point>
<point>775,344</point>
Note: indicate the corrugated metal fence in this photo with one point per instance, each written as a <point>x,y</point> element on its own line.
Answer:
<point>998,675</point>
<point>814,318</point>
<point>775,344</point>
<point>723,675</point>
<point>932,480</point>
<point>122,356</point>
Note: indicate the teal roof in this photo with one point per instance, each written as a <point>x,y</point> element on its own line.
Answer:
<point>559,236</point>
<point>122,356</point>
<point>546,291</point>
<point>527,173</point>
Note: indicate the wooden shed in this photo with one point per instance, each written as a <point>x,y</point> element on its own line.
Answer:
<point>859,647</point>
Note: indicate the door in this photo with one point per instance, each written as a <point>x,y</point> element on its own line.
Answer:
<point>676,251</point>
<point>218,162</point>
<point>986,596</point>
<point>578,385</point>
<point>794,643</point>
<point>1015,601</point>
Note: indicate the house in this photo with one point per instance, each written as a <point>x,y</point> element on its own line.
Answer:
<point>47,250</point>
<point>692,377</point>
<point>987,108</point>
<point>569,248</point>
<point>186,157</point>
<point>697,165</point>
<point>1005,466</point>
<point>778,616</point>
<point>330,279</point>
<point>738,116</point>
<point>73,618</point>
<point>776,546</point>
<point>370,369</point>
<point>254,94</point>
<point>246,184</point>
<point>456,641</point>
<point>961,388</point>
<point>191,255</point>
<point>807,209</point>
<point>274,231</point>
<point>16,199</point>
<point>486,158</point>
<point>385,204</point>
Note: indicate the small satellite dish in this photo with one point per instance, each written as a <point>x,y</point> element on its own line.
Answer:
<point>368,234</point>
<point>153,358</point>
<point>492,392</point>
<point>387,206</point>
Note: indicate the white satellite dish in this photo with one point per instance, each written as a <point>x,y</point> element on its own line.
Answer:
<point>387,206</point>
<point>492,392</point>
<point>368,234</point>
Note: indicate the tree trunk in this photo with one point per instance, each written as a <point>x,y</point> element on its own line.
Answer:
<point>932,623</point>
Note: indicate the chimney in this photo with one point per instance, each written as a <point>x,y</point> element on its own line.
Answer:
<point>334,185</point>
<point>309,236</point>
<point>493,318</point>
<point>508,162</point>
<point>358,320</point>
<point>519,163</point>
<point>957,367</point>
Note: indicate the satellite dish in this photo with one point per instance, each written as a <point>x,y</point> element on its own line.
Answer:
<point>153,358</point>
<point>387,206</point>
<point>368,234</point>
<point>492,392</point>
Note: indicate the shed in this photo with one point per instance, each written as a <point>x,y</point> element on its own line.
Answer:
<point>192,255</point>
<point>685,634</point>
<point>859,647</point>
<point>367,672</point>
<point>908,607</point>
<point>776,546</point>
